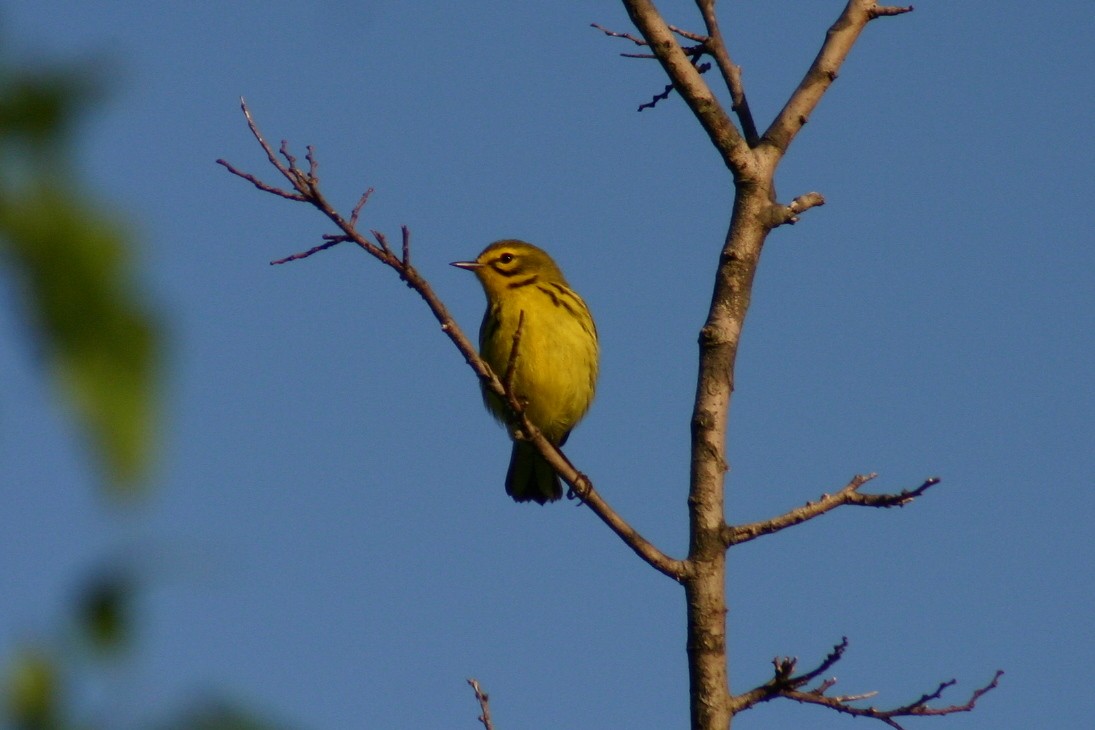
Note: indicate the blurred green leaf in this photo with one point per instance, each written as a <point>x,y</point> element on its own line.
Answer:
<point>70,264</point>
<point>104,611</point>
<point>217,715</point>
<point>40,106</point>
<point>32,692</point>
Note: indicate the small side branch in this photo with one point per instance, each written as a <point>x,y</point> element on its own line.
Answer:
<point>879,11</point>
<point>484,704</point>
<point>788,685</point>
<point>788,214</point>
<point>849,494</point>
<point>614,34</point>
<point>331,240</point>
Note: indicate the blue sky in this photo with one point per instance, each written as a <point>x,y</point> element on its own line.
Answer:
<point>326,538</point>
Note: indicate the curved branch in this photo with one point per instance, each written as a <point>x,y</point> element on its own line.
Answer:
<point>849,494</point>
<point>838,44</point>
<point>306,187</point>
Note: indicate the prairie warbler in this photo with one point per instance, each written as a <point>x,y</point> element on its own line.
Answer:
<point>555,371</point>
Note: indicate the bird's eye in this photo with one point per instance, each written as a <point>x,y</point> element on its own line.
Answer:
<point>506,258</point>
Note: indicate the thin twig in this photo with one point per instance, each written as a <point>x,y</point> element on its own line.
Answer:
<point>484,704</point>
<point>614,34</point>
<point>331,241</point>
<point>265,146</point>
<point>702,68</point>
<point>827,663</point>
<point>356,212</point>
<point>731,72</point>
<point>383,241</point>
<point>694,37</point>
<point>260,184</point>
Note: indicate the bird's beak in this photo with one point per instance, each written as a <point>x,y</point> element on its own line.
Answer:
<point>469,265</point>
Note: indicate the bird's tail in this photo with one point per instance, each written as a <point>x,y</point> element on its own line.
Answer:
<point>530,477</point>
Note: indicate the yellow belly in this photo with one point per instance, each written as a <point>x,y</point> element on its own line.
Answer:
<point>556,369</point>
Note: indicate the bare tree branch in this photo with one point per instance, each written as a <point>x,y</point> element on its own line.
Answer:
<point>821,74</point>
<point>787,685</point>
<point>306,185</point>
<point>688,83</point>
<point>484,704</point>
<point>731,73</point>
<point>849,494</point>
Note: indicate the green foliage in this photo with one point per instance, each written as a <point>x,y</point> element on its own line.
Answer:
<point>39,107</point>
<point>67,257</point>
<point>104,611</point>
<point>32,692</point>
<point>217,715</point>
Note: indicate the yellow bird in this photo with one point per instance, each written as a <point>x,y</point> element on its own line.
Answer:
<point>555,373</point>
